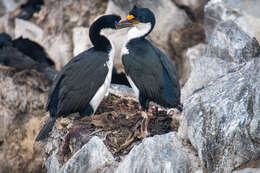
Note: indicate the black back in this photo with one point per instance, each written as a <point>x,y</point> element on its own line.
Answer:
<point>33,50</point>
<point>77,83</point>
<point>5,39</point>
<point>153,73</point>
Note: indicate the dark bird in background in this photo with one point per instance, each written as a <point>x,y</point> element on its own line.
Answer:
<point>33,50</point>
<point>25,54</point>
<point>149,71</point>
<point>29,8</point>
<point>82,83</point>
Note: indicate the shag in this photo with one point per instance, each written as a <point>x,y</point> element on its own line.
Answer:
<point>25,54</point>
<point>149,71</point>
<point>29,8</point>
<point>82,83</point>
<point>33,50</point>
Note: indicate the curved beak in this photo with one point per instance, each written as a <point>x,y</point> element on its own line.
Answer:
<point>129,22</point>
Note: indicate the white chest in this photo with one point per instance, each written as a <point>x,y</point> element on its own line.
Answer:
<point>103,89</point>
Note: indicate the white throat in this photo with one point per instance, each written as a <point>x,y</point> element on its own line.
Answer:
<point>107,32</point>
<point>139,30</point>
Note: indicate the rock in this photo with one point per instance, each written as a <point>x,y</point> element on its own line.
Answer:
<point>196,6</point>
<point>228,46</point>
<point>81,41</point>
<point>203,70</point>
<point>222,119</point>
<point>245,14</point>
<point>52,164</point>
<point>59,47</point>
<point>28,30</point>
<point>161,153</point>
<point>6,25</point>
<point>57,18</point>
<point>180,41</point>
<point>230,43</point>
<point>11,5</point>
<point>248,170</point>
<point>92,157</point>
<point>23,97</point>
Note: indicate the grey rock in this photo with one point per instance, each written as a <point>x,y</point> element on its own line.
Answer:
<point>203,70</point>
<point>11,5</point>
<point>244,13</point>
<point>161,153</point>
<point>28,30</point>
<point>52,164</point>
<point>23,96</point>
<point>248,170</point>
<point>59,47</point>
<point>230,43</point>
<point>194,5</point>
<point>81,41</point>
<point>222,120</point>
<point>92,157</point>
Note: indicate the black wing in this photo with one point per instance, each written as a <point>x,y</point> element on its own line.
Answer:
<point>152,72</point>
<point>77,83</point>
<point>171,71</point>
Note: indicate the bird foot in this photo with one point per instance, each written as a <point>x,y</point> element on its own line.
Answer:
<point>153,109</point>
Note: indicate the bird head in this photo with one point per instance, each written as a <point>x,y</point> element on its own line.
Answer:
<point>137,17</point>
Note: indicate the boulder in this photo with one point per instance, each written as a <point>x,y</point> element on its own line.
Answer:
<point>81,41</point>
<point>231,43</point>
<point>92,157</point>
<point>28,30</point>
<point>228,46</point>
<point>248,170</point>
<point>203,70</point>
<point>10,5</point>
<point>244,13</point>
<point>195,6</point>
<point>223,119</point>
<point>158,154</point>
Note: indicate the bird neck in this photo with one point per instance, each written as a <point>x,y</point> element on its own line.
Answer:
<point>141,30</point>
<point>99,41</point>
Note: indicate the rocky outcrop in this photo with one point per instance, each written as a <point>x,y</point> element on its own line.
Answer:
<point>219,129</point>
<point>23,96</point>
<point>223,119</point>
<point>158,150</point>
<point>244,13</point>
<point>229,45</point>
<point>155,155</point>
<point>92,157</point>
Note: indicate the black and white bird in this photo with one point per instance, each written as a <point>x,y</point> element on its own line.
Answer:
<point>149,71</point>
<point>81,84</point>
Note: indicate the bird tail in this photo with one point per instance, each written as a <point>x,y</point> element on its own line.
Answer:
<point>44,133</point>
